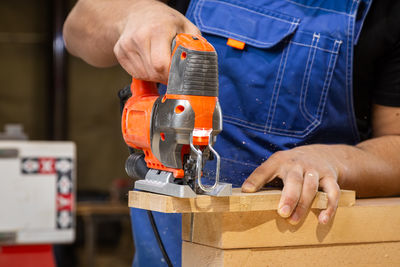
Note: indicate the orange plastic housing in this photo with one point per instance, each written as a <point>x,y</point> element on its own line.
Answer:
<point>203,107</point>
<point>136,116</point>
<point>136,119</point>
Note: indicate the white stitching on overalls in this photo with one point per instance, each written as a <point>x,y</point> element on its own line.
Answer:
<point>249,40</point>
<point>327,82</point>
<point>306,79</point>
<point>275,92</point>
<point>349,56</point>
<point>243,125</point>
<point>318,48</point>
<point>280,84</point>
<point>274,98</point>
<point>240,162</point>
<point>256,12</point>
<point>322,102</point>
<point>243,121</point>
<point>319,8</point>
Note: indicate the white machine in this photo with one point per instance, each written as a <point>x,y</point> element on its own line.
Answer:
<point>37,192</point>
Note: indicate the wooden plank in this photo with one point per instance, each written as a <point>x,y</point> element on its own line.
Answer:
<point>360,223</point>
<point>263,200</point>
<point>367,254</point>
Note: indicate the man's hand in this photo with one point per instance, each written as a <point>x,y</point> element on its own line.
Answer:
<point>303,170</point>
<point>371,168</point>
<point>144,46</point>
<point>137,34</point>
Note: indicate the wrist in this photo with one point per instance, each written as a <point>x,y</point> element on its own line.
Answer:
<point>340,158</point>
<point>350,162</point>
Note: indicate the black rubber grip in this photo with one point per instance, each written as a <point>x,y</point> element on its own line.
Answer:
<point>135,166</point>
<point>194,73</point>
<point>124,94</point>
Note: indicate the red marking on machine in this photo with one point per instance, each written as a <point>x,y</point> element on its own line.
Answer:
<point>47,165</point>
<point>64,202</point>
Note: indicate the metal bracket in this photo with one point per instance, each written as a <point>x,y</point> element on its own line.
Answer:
<point>162,182</point>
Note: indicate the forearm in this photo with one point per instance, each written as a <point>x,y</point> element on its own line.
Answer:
<point>372,168</point>
<point>94,26</point>
<point>137,34</point>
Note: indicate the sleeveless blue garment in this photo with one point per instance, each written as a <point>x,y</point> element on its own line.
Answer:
<point>290,86</point>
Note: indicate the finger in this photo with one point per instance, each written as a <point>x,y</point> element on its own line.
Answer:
<point>161,56</point>
<point>143,50</point>
<point>331,188</point>
<point>161,49</point>
<point>137,65</point>
<point>293,184</point>
<point>261,175</point>
<point>130,59</point>
<point>191,28</point>
<point>309,190</point>
<point>123,59</point>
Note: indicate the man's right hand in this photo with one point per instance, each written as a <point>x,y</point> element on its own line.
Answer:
<point>144,46</point>
<point>136,34</point>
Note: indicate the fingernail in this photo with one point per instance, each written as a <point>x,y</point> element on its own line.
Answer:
<point>284,211</point>
<point>248,187</point>
<point>324,219</point>
<point>294,219</point>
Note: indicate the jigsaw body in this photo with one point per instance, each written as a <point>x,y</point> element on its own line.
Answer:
<point>177,131</point>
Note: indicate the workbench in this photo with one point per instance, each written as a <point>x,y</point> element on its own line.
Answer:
<point>245,230</point>
<point>93,214</point>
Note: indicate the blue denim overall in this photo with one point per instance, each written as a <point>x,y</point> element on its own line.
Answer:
<point>290,86</point>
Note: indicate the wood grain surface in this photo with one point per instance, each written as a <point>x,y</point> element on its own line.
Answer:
<point>377,222</point>
<point>237,202</point>
<point>367,254</point>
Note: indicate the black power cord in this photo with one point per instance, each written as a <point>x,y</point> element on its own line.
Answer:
<point>158,238</point>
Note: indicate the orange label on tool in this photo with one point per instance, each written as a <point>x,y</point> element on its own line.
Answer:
<point>235,44</point>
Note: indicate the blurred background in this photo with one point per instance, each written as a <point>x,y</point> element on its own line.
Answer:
<point>55,96</point>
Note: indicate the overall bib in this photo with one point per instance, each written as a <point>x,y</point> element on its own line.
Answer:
<point>290,86</point>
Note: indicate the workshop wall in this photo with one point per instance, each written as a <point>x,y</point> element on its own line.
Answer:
<point>92,120</point>
<point>94,123</point>
<point>24,64</point>
<point>25,82</point>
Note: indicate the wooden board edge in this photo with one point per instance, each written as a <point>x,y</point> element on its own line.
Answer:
<point>365,254</point>
<point>241,203</point>
<point>356,224</point>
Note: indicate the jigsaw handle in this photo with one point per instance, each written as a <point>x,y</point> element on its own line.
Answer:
<point>194,67</point>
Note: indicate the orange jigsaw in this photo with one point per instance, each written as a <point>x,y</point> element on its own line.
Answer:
<point>176,131</point>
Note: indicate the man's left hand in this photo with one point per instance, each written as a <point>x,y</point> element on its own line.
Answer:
<point>303,170</point>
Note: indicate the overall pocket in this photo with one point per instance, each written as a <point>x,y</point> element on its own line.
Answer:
<point>280,81</point>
